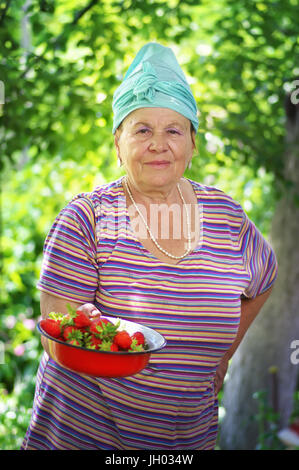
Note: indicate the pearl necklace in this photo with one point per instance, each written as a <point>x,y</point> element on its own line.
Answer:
<point>149,230</point>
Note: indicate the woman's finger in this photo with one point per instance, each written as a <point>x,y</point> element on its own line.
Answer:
<point>90,310</point>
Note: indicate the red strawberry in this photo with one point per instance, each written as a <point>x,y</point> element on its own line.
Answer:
<point>94,342</point>
<point>114,347</point>
<point>108,345</point>
<point>73,335</point>
<point>68,330</point>
<point>51,327</point>
<point>81,319</point>
<point>84,329</point>
<point>123,340</point>
<point>139,337</point>
<point>98,324</point>
<point>74,342</point>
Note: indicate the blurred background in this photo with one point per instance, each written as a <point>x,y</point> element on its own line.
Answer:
<point>60,62</point>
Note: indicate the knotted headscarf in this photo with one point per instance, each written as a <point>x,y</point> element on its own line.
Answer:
<point>154,80</point>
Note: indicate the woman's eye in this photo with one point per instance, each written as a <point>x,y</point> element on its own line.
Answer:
<point>173,132</point>
<point>143,131</point>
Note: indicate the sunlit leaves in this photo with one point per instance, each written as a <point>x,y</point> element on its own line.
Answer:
<point>253,49</point>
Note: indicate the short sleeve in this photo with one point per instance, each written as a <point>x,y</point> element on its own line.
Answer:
<point>69,268</point>
<point>259,259</point>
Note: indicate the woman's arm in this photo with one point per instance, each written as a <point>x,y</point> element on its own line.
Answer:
<point>50,303</point>
<point>249,310</point>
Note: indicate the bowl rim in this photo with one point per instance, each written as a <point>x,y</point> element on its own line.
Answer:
<point>147,351</point>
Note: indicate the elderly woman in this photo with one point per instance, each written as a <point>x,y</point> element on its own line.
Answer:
<point>163,251</point>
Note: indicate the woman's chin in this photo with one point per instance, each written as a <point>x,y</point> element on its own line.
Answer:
<point>161,178</point>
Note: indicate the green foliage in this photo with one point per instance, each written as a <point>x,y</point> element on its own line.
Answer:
<point>58,90</point>
<point>254,190</point>
<point>241,56</point>
<point>15,411</point>
<point>268,423</point>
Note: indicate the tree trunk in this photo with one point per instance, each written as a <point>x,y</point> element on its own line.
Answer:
<point>268,341</point>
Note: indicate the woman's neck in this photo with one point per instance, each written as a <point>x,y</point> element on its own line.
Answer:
<point>167,196</point>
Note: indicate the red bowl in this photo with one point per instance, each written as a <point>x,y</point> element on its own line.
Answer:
<point>105,363</point>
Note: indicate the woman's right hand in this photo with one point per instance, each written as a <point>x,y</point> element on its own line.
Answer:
<point>50,303</point>
<point>90,310</point>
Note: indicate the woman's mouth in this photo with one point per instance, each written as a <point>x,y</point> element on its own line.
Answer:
<point>158,163</point>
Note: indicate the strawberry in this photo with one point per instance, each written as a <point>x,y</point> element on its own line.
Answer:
<point>77,317</point>
<point>123,340</point>
<point>52,327</point>
<point>84,330</point>
<point>135,346</point>
<point>103,329</point>
<point>69,331</point>
<point>93,342</point>
<point>108,345</point>
<point>81,319</point>
<point>74,336</point>
<point>74,342</point>
<point>139,337</point>
<point>97,325</point>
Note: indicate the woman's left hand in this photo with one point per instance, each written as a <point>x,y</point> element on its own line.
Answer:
<point>220,374</point>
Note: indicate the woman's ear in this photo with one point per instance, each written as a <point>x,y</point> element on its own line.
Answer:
<point>193,137</point>
<point>116,143</point>
<point>117,147</point>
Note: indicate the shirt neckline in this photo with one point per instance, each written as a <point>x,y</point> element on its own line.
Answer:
<point>145,250</point>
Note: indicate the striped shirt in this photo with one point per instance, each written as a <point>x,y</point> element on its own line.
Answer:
<point>92,254</point>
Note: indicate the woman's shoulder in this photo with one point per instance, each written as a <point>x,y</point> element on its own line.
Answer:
<point>219,208</point>
<point>215,196</point>
<point>87,206</point>
<point>105,191</point>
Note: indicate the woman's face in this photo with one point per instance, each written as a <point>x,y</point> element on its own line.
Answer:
<point>155,145</point>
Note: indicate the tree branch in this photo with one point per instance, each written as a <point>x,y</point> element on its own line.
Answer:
<point>82,12</point>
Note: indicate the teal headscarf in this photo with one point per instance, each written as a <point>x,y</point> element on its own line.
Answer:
<point>154,80</point>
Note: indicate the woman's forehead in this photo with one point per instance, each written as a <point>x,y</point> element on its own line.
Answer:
<point>154,116</point>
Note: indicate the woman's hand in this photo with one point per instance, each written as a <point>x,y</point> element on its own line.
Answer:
<point>249,310</point>
<point>220,374</point>
<point>90,310</point>
<point>50,303</point>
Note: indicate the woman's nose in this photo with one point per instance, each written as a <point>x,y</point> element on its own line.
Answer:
<point>158,143</point>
